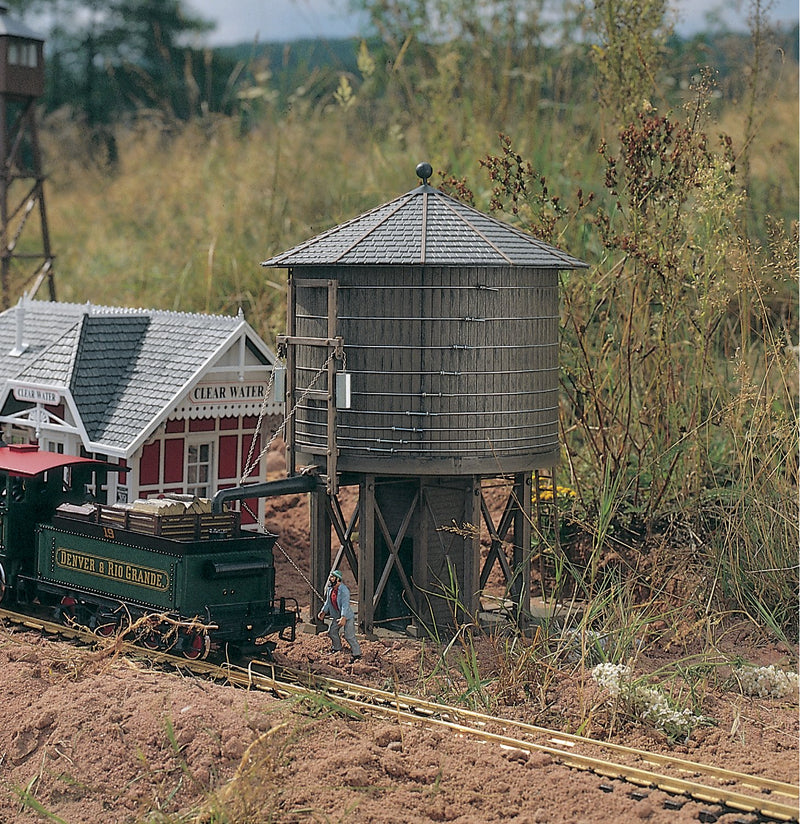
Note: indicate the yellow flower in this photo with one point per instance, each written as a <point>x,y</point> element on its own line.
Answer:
<point>545,491</point>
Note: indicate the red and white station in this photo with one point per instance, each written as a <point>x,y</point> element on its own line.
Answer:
<point>180,399</point>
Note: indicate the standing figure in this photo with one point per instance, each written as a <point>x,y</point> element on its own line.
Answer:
<point>337,605</point>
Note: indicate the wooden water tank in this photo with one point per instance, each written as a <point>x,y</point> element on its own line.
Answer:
<point>453,369</point>
<point>448,324</point>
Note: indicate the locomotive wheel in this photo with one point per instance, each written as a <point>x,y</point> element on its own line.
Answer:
<point>152,635</point>
<point>108,624</point>
<point>106,630</point>
<point>151,640</point>
<point>195,646</point>
<point>65,612</point>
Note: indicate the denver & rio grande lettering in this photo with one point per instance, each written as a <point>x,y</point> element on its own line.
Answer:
<point>109,568</point>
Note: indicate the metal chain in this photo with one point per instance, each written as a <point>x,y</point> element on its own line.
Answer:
<point>249,467</point>
<point>286,555</point>
<point>300,572</point>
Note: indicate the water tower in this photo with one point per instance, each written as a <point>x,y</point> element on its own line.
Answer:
<point>422,366</point>
<point>25,257</point>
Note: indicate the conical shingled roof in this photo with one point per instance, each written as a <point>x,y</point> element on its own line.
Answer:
<point>425,227</point>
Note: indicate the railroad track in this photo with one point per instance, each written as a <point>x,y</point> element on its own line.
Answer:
<point>681,778</point>
<point>772,799</point>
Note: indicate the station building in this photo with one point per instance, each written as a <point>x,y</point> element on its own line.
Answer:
<point>177,398</point>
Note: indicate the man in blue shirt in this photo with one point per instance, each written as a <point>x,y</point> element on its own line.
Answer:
<point>337,605</point>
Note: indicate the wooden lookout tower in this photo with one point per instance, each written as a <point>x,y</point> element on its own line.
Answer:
<point>25,257</point>
<point>422,365</point>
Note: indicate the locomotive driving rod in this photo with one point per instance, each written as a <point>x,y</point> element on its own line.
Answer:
<point>270,489</point>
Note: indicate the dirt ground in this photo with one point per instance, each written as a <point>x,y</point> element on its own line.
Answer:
<point>95,738</point>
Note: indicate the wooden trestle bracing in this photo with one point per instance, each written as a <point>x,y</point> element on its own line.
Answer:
<point>415,564</point>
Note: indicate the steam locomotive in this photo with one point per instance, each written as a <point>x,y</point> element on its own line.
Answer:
<point>182,581</point>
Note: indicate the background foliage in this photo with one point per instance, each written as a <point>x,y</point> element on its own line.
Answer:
<point>669,165</point>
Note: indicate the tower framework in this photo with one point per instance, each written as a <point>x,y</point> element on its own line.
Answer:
<point>422,368</point>
<point>26,259</point>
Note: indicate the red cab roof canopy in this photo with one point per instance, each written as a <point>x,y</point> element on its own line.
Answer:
<point>25,460</point>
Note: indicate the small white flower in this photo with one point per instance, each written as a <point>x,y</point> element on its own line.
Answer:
<point>611,677</point>
<point>767,682</point>
<point>648,704</point>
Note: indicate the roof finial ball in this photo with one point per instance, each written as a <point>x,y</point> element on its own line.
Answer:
<point>424,171</point>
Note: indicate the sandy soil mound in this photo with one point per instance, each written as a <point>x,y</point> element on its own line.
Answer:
<point>93,738</point>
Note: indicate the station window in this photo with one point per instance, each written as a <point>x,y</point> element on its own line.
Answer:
<point>18,435</point>
<point>199,466</point>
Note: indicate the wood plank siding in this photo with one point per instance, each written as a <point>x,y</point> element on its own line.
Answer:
<point>454,370</point>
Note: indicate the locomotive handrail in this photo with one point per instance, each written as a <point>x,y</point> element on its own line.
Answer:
<point>217,569</point>
<point>269,489</point>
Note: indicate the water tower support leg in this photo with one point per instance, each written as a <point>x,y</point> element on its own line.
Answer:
<point>516,518</point>
<point>522,537</point>
<point>320,534</point>
<point>366,543</point>
<point>344,531</point>
<point>497,535</point>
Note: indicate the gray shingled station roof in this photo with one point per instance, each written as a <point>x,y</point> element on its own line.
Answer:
<point>125,368</point>
<point>425,227</point>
